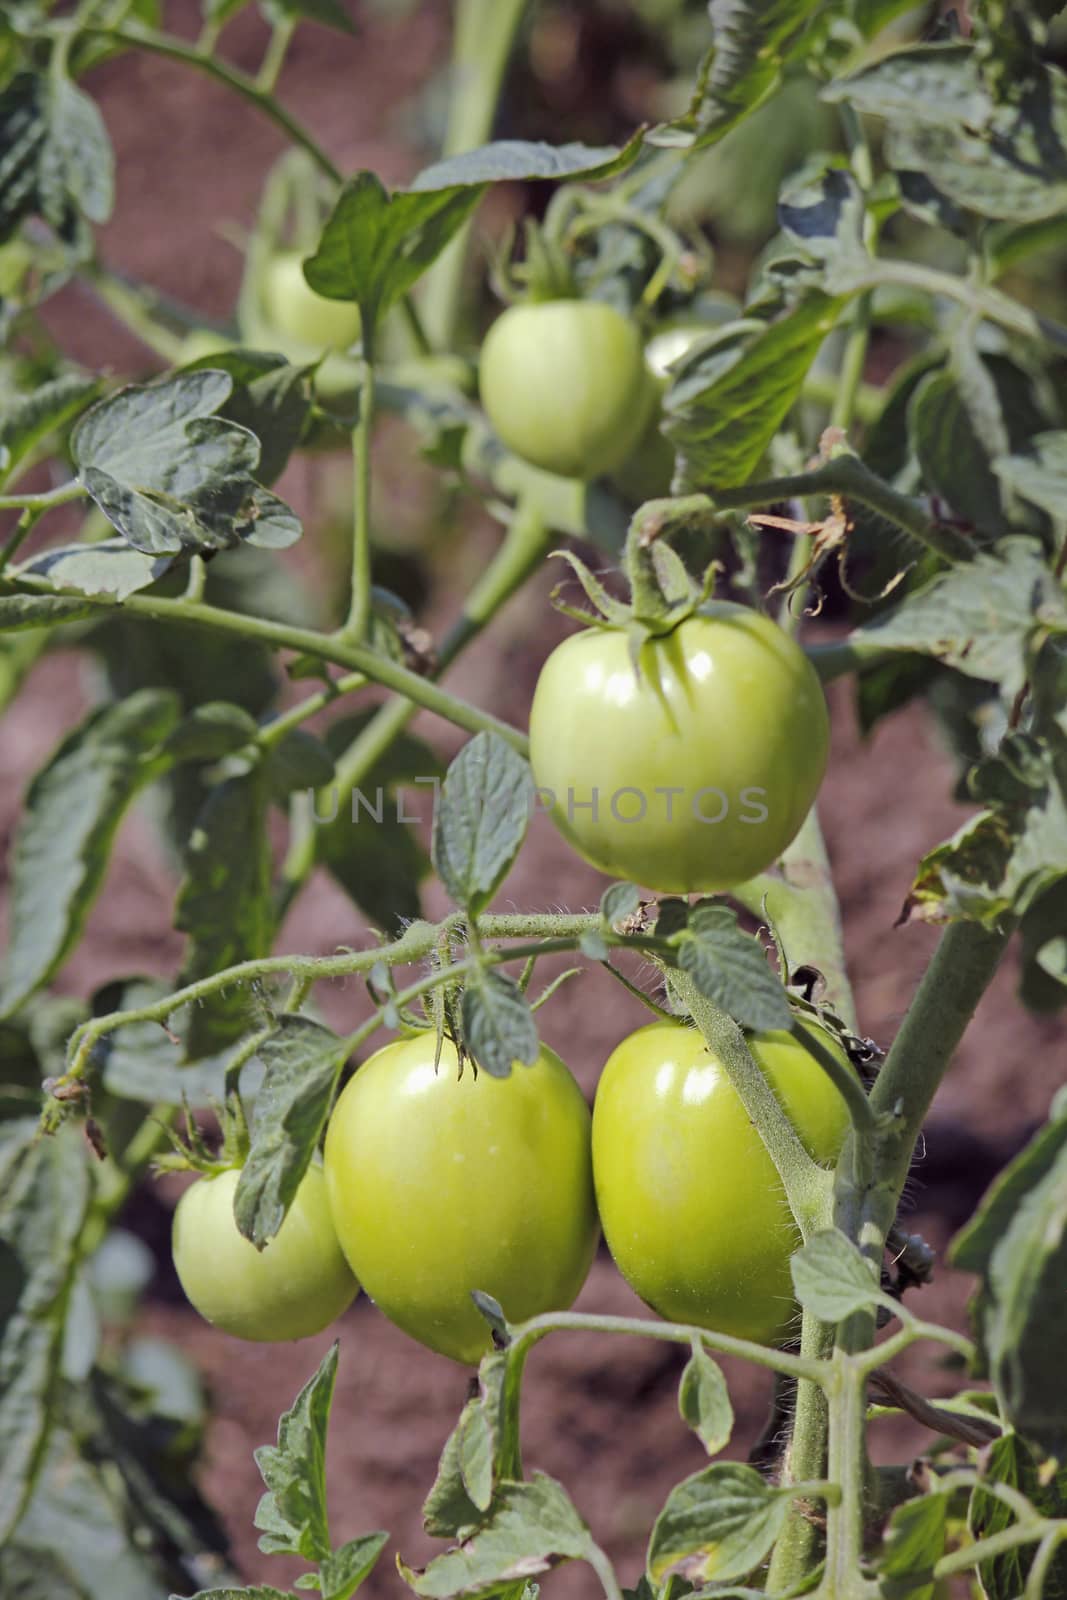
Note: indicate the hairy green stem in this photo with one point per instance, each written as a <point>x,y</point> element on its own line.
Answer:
<point>806,1184</point>
<point>847,1402</point>
<point>307,641</point>
<point>672,1333</point>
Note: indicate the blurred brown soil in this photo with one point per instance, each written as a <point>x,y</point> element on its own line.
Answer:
<point>599,1414</point>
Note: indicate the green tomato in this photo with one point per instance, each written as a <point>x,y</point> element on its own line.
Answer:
<point>294,310</point>
<point>442,1182</point>
<point>691,1204</point>
<point>296,1286</point>
<point>693,772</point>
<point>564,384</point>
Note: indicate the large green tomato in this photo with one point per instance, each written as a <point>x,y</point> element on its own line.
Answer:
<point>298,1285</point>
<point>564,384</point>
<point>292,307</point>
<point>693,772</point>
<point>441,1183</point>
<point>691,1204</point>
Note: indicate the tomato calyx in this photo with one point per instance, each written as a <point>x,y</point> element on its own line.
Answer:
<point>663,592</point>
<point>189,1150</point>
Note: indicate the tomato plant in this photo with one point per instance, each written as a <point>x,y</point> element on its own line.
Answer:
<point>689,765</point>
<point>296,1286</point>
<point>688,1196</point>
<point>781,376</point>
<point>565,385</point>
<point>443,1182</point>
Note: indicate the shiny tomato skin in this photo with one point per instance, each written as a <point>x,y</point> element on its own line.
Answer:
<point>296,1286</point>
<point>292,307</point>
<point>691,1205</point>
<point>565,385</point>
<point>726,710</point>
<point>441,1183</point>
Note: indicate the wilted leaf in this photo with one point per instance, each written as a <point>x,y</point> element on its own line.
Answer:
<point>530,1527</point>
<point>719,1524</point>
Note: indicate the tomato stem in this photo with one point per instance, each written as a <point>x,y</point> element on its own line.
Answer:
<point>357,624</point>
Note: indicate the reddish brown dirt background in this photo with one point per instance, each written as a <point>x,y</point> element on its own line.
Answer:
<point>599,1414</point>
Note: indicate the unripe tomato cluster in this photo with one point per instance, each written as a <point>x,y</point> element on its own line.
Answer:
<point>685,764</point>
<point>436,1183</point>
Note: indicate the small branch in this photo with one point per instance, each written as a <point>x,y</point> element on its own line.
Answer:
<point>163,44</point>
<point>42,502</point>
<point>998,1544</point>
<point>306,641</point>
<point>274,55</point>
<point>968,1430</point>
<point>672,1333</point>
<point>847,475</point>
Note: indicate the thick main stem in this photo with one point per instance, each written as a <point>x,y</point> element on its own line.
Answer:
<point>358,623</point>
<point>484,33</point>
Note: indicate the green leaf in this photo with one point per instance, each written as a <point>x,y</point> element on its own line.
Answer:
<point>39,611</point>
<point>1017,1244</point>
<point>730,968</point>
<point>498,1025</point>
<point>934,84</point>
<point>754,39</point>
<point>481,819</point>
<point>302,1063</point>
<point>448,1511</point>
<point>477,1448</point>
<point>29,418</point>
<point>23,131</point>
<point>330,13</point>
<point>376,245</point>
<point>210,731</point>
<point>915,1540</point>
<point>44,1200</point>
<point>110,567</point>
<point>531,1526</point>
<point>1040,476</point>
<point>72,812</point>
<point>831,1278</point>
<point>1003,160</point>
<point>1009,1461</point>
<point>170,475</point>
<point>292,1515</point>
<point>298,761</point>
<point>824,214</point>
<point>619,902</point>
<point>720,1524</point>
<point>721,427</point>
<point>1006,856</point>
<point>343,1571</point>
<point>271,398</point>
<point>704,1401</point>
<point>978,617</point>
<point>518,160</point>
<point>224,904</point>
<point>77,164</point>
<point>953,459</point>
